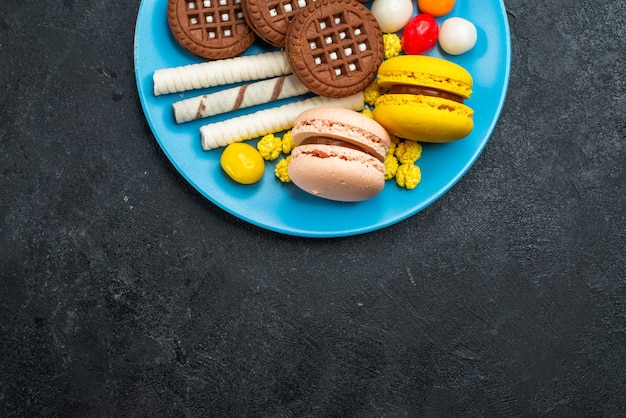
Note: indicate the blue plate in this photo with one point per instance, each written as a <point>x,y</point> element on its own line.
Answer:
<point>282,207</point>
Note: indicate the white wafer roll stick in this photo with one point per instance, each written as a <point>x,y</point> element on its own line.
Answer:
<point>239,97</point>
<point>220,72</point>
<point>263,122</point>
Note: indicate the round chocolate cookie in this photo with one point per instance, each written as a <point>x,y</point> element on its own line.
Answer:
<point>212,29</point>
<point>269,18</point>
<point>335,47</point>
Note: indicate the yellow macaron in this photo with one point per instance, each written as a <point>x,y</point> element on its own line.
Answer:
<point>425,99</point>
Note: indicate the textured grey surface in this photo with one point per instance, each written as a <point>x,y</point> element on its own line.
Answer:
<point>125,293</point>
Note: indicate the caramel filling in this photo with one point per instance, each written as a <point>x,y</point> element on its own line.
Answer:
<point>330,141</point>
<point>424,91</point>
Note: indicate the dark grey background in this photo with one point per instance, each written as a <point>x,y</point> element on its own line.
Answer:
<point>126,293</point>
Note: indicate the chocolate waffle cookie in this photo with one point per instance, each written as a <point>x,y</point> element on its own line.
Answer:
<point>334,47</point>
<point>269,18</point>
<point>212,29</point>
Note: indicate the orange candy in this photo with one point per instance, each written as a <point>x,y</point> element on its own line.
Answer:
<point>435,7</point>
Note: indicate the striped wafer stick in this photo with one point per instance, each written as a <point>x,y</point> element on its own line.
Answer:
<point>238,97</point>
<point>268,121</point>
<point>220,72</point>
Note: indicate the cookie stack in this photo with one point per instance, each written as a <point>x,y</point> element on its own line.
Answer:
<point>333,47</point>
<point>212,29</point>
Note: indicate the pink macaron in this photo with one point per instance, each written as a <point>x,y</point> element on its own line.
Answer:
<point>339,154</point>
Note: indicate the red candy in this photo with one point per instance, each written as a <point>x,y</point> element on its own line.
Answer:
<point>420,34</point>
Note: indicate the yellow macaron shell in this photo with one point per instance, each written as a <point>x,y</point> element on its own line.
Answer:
<point>423,118</point>
<point>426,71</point>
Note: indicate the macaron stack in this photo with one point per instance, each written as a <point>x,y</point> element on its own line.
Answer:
<point>425,99</point>
<point>338,154</point>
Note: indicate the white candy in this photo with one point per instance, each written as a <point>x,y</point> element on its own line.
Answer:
<point>392,15</point>
<point>457,35</point>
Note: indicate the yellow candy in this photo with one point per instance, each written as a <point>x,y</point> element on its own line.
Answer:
<point>243,163</point>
